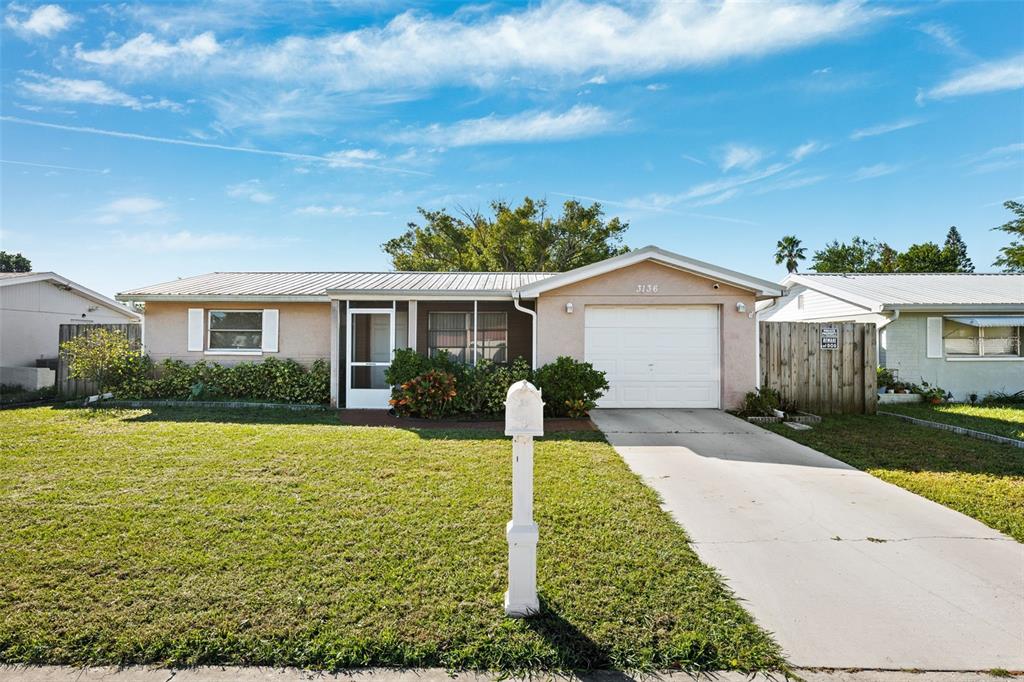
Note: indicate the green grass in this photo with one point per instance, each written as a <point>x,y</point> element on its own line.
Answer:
<point>979,478</point>
<point>186,537</point>
<point>1001,421</point>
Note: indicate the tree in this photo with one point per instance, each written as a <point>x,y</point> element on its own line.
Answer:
<point>1012,258</point>
<point>859,255</point>
<point>104,356</point>
<point>926,257</point>
<point>956,251</point>
<point>789,251</point>
<point>14,262</point>
<point>520,238</point>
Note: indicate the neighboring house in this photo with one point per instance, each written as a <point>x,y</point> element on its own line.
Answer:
<point>668,330</point>
<point>962,332</point>
<point>33,305</point>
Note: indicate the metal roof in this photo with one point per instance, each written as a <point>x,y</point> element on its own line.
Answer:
<point>912,289</point>
<point>320,284</point>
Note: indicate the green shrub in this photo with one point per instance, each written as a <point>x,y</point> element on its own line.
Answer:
<point>429,395</point>
<point>570,387</point>
<point>498,382</point>
<point>272,380</point>
<point>406,365</point>
<point>1003,398</point>
<point>104,356</point>
<point>763,402</point>
<point>885,378</point>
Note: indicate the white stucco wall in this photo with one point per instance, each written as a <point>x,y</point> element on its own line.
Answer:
<point>30,319</point>
<point>906,351</point>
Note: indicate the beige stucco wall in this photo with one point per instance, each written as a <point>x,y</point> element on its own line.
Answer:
<point>304,331</point>
<point>561,333</point>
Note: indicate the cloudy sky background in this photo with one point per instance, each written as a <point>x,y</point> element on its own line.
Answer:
<point>142,142</point>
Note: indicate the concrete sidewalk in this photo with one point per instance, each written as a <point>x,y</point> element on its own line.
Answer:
<point>846,570</point>
<point>220,674</point>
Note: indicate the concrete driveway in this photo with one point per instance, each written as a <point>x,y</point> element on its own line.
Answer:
<point>848,571</point>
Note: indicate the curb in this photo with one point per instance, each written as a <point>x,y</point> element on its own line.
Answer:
<point>980,435</point>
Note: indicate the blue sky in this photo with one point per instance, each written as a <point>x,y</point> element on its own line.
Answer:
<point>143,142</point>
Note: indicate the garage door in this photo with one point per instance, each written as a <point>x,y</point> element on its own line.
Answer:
<point>655,356</point>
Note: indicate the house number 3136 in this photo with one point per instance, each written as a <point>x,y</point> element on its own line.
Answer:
<point>646,288</point>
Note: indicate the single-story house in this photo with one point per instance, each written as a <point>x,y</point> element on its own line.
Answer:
<point>33,305</point>
<point>962,332</point>
<point>669,331</point>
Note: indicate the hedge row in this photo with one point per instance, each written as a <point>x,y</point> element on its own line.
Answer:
<point>273,380</point>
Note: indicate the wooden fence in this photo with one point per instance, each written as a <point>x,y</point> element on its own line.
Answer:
<point>73,388</point>
<point>830,372</point>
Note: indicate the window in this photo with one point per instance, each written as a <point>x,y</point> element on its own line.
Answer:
<point>453,332</point>
<point>492,336</point>
<point>976,337</point>
<point>449,332</point>
<point>236,330</point>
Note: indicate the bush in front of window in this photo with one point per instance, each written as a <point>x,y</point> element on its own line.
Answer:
<point>272,380</point>
<point>429,395</point>
<point>570,387</point>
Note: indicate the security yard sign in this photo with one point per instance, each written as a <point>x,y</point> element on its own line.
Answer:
<point>829,338</point>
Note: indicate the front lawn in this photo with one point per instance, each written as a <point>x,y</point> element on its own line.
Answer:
<point>185,537</point>
<point>1001,421</point>
<point>979,478</point>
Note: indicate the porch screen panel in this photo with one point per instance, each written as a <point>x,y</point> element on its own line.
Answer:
<point>449,332</point>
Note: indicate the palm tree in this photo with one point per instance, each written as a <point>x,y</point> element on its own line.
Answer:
<point>789,251</point>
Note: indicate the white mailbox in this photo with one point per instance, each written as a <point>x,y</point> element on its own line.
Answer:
<point>524,410</point>
<point>524,419</point>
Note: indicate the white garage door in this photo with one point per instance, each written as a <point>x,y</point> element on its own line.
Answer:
<point>655,356</point>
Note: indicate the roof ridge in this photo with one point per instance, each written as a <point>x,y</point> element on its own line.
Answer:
<point>906,274</point>
<point>377,272</point>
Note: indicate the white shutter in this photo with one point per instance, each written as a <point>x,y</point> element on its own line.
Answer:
<point>270,330</point>
<point>195,329</point>
<point>934,337</point>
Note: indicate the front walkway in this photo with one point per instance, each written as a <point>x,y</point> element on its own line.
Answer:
<point>848,571</point>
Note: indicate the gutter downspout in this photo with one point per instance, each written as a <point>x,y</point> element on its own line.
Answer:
<point>878,334</point>
<point>533,314</point>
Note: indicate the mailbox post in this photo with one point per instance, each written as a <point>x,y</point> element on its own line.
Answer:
<point>524,419</point>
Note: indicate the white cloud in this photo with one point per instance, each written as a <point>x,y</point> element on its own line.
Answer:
<point>739,156</point>
<point>656,87</point>
<point>800,152</point>
<point>562,38</point>
<point>717,199</point>
<point>45,21</point>
<point>598,80</point>
<point>334,160</point>
<point>943,35</point>
<point>184,240</point>
<point>145,52</point>
<point>251,190</point>
<point>885,128</point>
<point>997,159</point>
<point>137,209</point>
<point>56,89</point>
<point>529,126</point>
<point>876,171</point>
<point>792,181</point>
<point>353,158</point>
<point>336,210</point>
<point>1006,74</point>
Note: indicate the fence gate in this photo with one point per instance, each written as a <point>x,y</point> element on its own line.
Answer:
<point>78,387</point>
<point>825,368</point>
